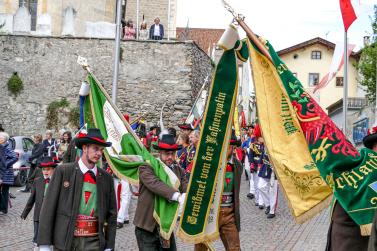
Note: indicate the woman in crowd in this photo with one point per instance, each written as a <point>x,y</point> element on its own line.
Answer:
<point>10,157</point>
<point>183,140</point>
<point>63,146</point>
<point>129,31</point>
<point>143,33</point>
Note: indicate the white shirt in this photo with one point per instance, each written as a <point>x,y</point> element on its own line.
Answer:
<point>84,168</point>
<point>156,30</point>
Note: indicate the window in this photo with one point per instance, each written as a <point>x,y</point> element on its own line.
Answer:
<point>339,82</point>
<point>28,144</point>
<point>313,79</point>
<point>316,55</point>
<point>32,6</point>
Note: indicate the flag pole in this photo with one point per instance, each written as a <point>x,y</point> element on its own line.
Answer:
<point>375,109</point>
<point>345,84</point>
<point>117,53</point>
<point>137,19</point>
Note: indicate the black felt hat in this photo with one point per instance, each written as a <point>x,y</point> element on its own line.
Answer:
<point>93,136</point>
<point>371,138</point>
<point>185,126</point>
<point>153,127</point>
<point>167,143</point>
<point>233,139</point>
<point>47,162</point>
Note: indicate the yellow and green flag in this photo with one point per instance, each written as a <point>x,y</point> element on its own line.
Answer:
<point>296,128</point>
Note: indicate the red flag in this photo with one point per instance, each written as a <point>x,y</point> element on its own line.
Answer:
<point>348,13</point>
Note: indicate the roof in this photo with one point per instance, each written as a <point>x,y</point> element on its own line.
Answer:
<point>352,103</point>
<point>311,42</point>
<point>203,37</point>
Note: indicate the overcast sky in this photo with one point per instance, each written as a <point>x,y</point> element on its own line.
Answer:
<point>283,22</point>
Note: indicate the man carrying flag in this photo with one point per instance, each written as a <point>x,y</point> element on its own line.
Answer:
<point>79,210</point>
<point>147,228</point>
<point>229,217</point>
<point>344,233</point>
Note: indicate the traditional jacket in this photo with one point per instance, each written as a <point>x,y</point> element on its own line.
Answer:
<point>255,155</point>
<point>190,157</point>
<point>36,198</point>
<point>232,183</point>
<point>150,186</point>
<point>181,157</point>
<point>62,206</point>
<point>265,170</point>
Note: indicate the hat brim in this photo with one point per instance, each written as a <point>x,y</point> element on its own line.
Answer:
<point>370,140</point>
<point>85,141</point>
<point>167,147</point>
<point>50,164</point>
<point>185,127</point>
<point>235,142</point>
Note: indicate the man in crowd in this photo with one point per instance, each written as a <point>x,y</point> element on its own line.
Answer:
<point>80,210</point>
<point>123,196</point>
<point>194,140</point>
<point>152,137</point>
<point>38,191</point>
<point>344,234</point>
<point>50,145</point>
<point>185,128</point>
<point>229,221</point>
<point>147,229</point>
<point>255,157</point>
<point>156,31</point>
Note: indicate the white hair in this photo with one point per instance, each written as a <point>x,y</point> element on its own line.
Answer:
<point>4,137</point>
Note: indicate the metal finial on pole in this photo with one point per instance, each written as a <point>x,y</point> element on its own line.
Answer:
<point>239,18</point>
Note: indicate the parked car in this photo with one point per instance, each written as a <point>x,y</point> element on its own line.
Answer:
<point>22,146</point>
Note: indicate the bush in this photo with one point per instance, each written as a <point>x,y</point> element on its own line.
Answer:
<point>15,85</point>
<point>53,112</point>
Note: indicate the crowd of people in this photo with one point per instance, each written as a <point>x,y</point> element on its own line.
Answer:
<point>155,31</point>
<point>79,203</point>
<point>58,171</point>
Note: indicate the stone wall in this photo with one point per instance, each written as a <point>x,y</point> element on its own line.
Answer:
<point>151,73</point>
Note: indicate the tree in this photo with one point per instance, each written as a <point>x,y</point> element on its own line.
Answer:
<point>367,66</point>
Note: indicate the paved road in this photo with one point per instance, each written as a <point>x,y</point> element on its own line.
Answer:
<point>258,232</point>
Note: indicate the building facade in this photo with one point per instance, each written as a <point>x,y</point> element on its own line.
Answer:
<point>310,61</point>
<point>63,13</point>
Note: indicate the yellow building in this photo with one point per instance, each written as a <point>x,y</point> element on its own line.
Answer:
<point>84,11</point>
<point>310,61</point>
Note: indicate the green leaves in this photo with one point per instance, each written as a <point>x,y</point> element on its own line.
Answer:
<point>367,66</point>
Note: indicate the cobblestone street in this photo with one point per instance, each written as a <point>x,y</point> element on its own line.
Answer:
<point>258,232</point>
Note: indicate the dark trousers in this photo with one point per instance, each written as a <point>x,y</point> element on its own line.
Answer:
<point>33,173</point>
<point>344,234</point>
<point>156,38</point>
<point>84,244</point>
<point>150,241</point>
<point>36,225</point>
<point>4,198</point>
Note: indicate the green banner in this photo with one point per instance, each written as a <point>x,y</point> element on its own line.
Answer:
<point>127,153</point>
<point>212,148</point>
<point>352,175</point>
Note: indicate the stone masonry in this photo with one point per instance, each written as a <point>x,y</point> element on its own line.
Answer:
<point>151,73</point>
